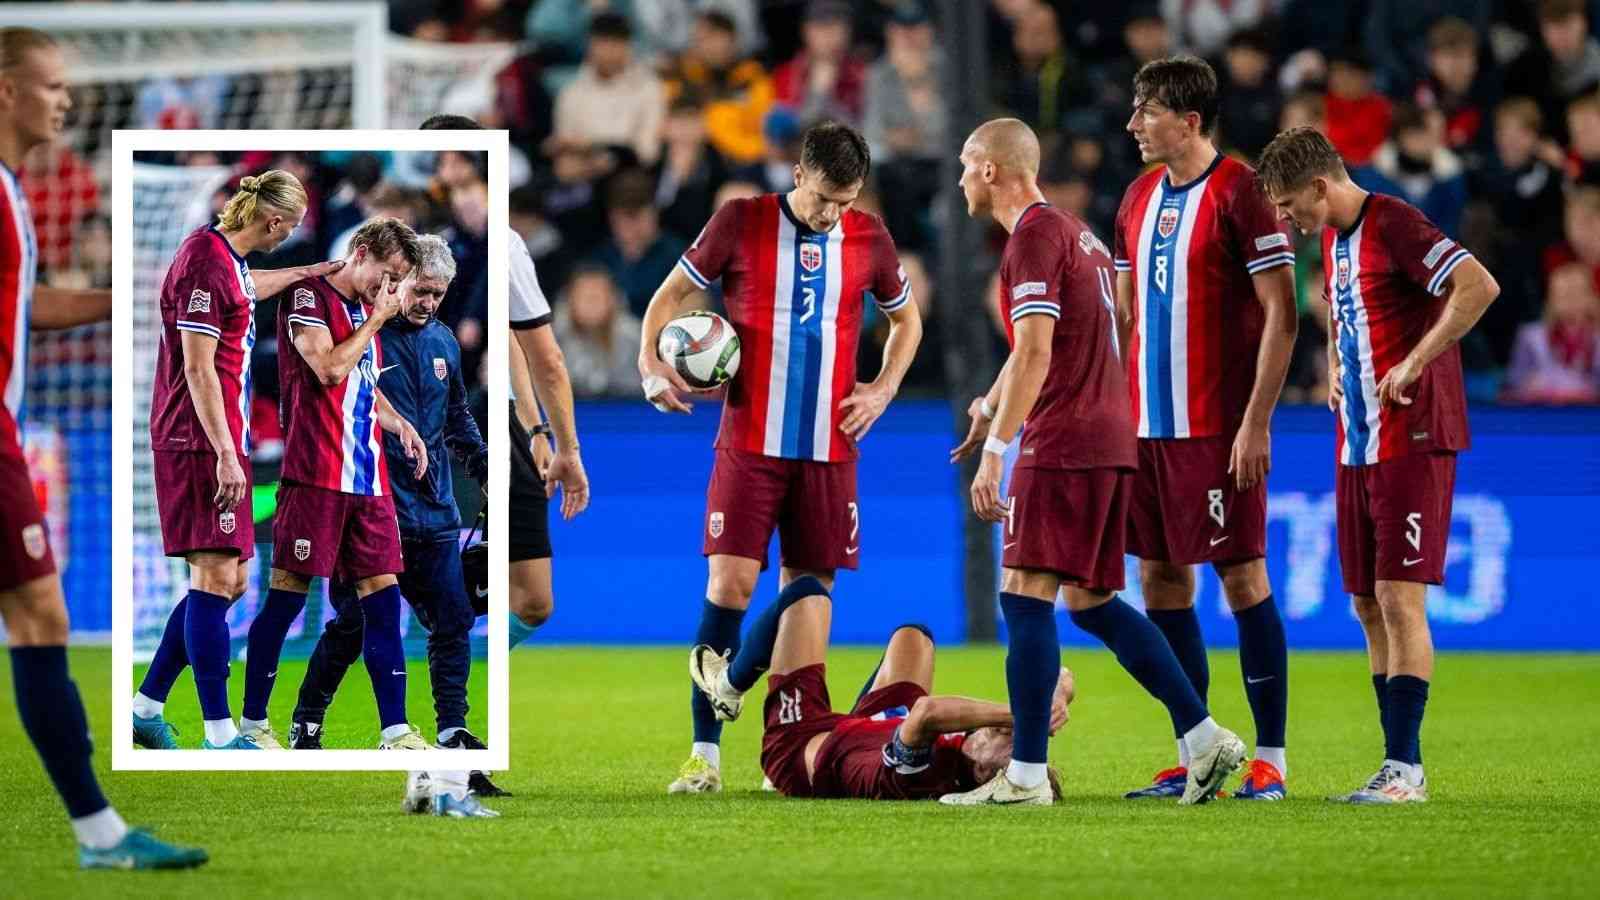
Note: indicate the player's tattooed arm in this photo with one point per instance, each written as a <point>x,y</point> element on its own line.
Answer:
<point>868,401</point>
<point>205,390</point>
<point>1251,456</point>
<point>662,384</point>
<point>1471,290</point>
<point>271,281</point>
<point>410,441</point>
<point>57,308</point>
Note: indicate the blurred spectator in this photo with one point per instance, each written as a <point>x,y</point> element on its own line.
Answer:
<point>1396,35</point>
<point>1581,228</point>
<point>385,200</point>
<point>1048,83</point>
<point>92,252</point>
<point>1203,27</point>
<point>1457,88</point>
<point>663,28</point>
<point>774,172</point>
<point>690,170</point>
<point>907,122</point>
<point>1564,64</point>
<point>1316,25</point>
<point>1414,166</point>
<point>927,367</point>
<point>823,80</point>
<point>1307,108</point>
<point>613,101</point>
<point>1583,132</point>
<point>735,93</point>
<point>639,255</point>
<point>598,336</point>
<point>1357,116</point>
<point>62,191</point>
<point>350,203</point>
<point>182,103</point>
<point>1557,359</point>
<point>1251,102</point>
<point>1144,37</point>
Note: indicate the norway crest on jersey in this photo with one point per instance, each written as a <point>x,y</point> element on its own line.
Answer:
<point>810,256</point>
<point>1167,222</point>
<point>1344,273</point>
<point>440,370</point>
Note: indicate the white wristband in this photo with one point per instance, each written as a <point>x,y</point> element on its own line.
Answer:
<point>995,445</point>
<point>984,408</point>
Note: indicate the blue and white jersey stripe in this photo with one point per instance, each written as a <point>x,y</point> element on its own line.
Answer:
<point>360,441</point>
<point>804,344</point>
<point>1162,295</point>
<point>1360,409</point>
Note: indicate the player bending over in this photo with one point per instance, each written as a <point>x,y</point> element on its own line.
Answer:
<point>336,514</point>
<point>898,742</point>
<point>1205,303</point>
<point>200,438</point>
<point>1071,483</point>
<point>796,269</point>
<point>34,100</point>
<point>423,383</point>
<point>1400,296</point>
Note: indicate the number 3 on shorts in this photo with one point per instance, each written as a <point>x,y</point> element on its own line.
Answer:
<point>855,528</point>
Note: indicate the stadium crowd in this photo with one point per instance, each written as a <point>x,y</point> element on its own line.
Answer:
<point>632,121</point>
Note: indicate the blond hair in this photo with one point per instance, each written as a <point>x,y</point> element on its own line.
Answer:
<point>1295,157</point>
<point>15,42</point>
<point>276,189</point>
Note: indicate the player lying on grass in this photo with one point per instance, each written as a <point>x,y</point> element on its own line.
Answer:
<point>898,742</point>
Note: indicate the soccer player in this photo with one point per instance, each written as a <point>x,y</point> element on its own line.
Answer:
<point>34,100</point>
<point>336,514</point>
<point>538,377</point>
<point>199,432</point>
<point>796,269</point>
<point>1401,296</point>
<point>1205,306</point>
<point>898,742</point>
<point>1071,484</point>
<point>423,383</point>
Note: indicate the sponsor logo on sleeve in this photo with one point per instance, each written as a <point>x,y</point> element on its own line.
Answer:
<point>1088,243</point>
<point>1436,251</point>
<point>1028,289</point>
<point>199,301</point>
<point>440,370</point>
<point>1268,241</point>
<point>304,299</point>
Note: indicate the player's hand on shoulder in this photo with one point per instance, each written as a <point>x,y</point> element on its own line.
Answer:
<point>327,267</point>
<point>863,407</point>
<point>566,469</point>
<point>976,432</point>
<point>662,385</point>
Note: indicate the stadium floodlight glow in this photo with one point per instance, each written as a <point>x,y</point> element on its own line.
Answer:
<point>172,197</point>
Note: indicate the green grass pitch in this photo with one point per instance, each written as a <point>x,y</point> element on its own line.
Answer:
<point>1510,744</point>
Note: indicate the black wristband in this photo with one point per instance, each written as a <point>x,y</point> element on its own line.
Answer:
<point>541,428</point>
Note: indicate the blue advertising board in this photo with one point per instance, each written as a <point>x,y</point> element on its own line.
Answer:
<point>1519,574</point>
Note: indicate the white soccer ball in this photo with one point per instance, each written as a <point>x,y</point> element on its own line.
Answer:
<point>702,347</point>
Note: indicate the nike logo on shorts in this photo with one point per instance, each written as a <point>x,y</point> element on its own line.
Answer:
<point>1009,546</point>
<point>1412,562</point>
<point>1216,541</point>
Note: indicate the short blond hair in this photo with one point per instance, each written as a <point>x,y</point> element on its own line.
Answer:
<point>1295,157</point>
<point>16,41</point>
<point>274,189</point>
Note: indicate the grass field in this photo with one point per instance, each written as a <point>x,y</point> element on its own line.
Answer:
<point>1510,744</point>
<point>352,720</point>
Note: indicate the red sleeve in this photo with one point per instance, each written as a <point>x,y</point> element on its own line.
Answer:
<point>1033,268</point>
<point>1120,258</point>
<point>1419,249</point>
<point>708,256</point>
<point>200,296</point>
<point>890,287</point>
<point>1261,240</point>
<point>307,306</point>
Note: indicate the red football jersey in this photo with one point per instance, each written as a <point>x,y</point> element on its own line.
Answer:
<point>853,764</point>
<point>1386,280</point>
<point>19,272</point>
<point>331,434</point>
<point>1054,266</point>
<point>796,298</point>
<point>207,291</point>
<point>1191,251</point>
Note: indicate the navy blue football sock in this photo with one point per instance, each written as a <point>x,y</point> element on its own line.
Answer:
<point>337,650</point>
<point>1033,665</point>
<point>52,715</point>
<point>719,628</point>
<point>1408,696</point>
<point>171,658</point>
<point>265,645</point>
<point>1142,651</point>
<point>1264,662</point>
<point>755,651</point>
<point>385,654</point>
<point>1182,630</point>
<point>866,688</point>
<point>1380,687</point>
<point>205,638</point>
